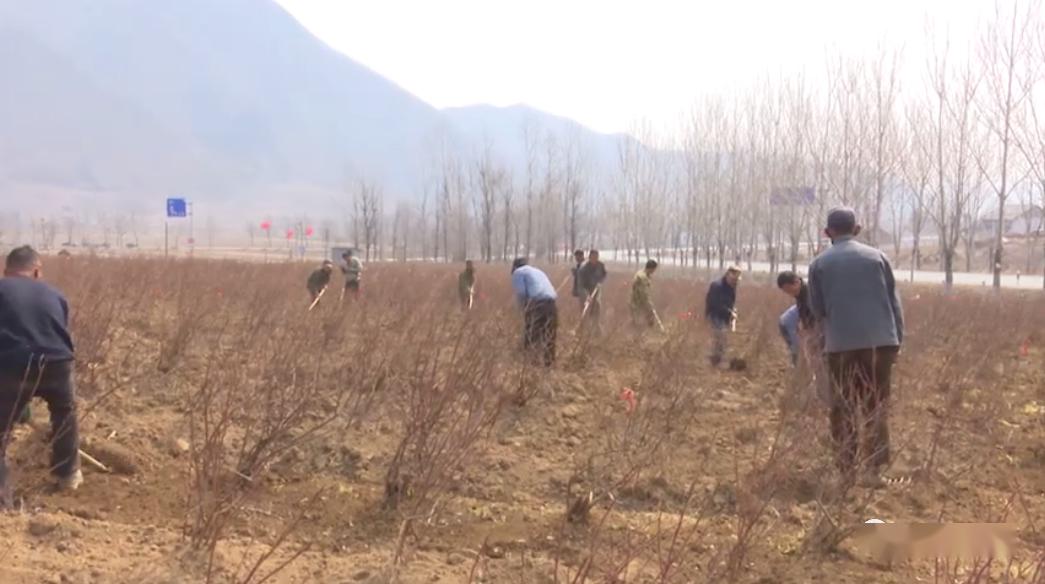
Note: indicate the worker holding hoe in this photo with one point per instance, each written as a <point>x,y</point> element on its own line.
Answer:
<point>799,317</point>
<point>353,271</point>
<point>36,360</point>
<point>466,285</point>
<point>852,291</point>
<point>720,311</point>
<point>536,298</point>
<point>591,277</point>
<point>318,282</point>
<point>804,335</point>
<point>578,263</point>
<point>643,314</point>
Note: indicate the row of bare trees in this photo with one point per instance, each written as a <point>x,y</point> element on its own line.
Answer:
<point>937,167</point>
<point>72,228</point>
<point>478,204</point>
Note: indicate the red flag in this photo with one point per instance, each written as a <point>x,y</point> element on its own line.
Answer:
<point>290,234</point>
<point>266,225</point>
<point>627,395</point>
<point>308,231</point>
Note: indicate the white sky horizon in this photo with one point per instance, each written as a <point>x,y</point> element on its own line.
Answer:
<point>612,64</point>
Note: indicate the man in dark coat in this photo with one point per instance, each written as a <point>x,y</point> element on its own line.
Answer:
<point>319,279</point>
<point>720,311</point>
<point>36,360</point>
<point>592,275</point>
<point>578,263</point>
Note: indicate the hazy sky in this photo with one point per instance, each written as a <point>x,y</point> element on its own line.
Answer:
<point>610,63</point>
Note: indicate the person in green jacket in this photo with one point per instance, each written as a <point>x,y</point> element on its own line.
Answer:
<point>643,314</point>
<point>466,285</point>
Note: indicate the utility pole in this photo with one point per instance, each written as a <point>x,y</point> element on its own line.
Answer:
<point>192,230</point>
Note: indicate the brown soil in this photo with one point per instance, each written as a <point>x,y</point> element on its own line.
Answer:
<point>503,516</point>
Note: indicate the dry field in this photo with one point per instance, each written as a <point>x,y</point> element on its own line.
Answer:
<point>399,440</point>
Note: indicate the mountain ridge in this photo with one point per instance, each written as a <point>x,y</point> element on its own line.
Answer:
<point>234,100</point>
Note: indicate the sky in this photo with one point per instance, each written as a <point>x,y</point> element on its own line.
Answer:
<point>613,65</point>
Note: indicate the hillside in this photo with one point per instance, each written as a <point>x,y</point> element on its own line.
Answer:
<point>229,100</point>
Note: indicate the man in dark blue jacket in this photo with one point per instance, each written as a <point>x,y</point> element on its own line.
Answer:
<point>720,310</point>
<point>578,293</point>
<point>36,360</point>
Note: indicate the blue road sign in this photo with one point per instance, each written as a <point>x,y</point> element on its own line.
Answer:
<point>177,208</point>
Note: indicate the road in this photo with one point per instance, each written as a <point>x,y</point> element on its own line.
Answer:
<point>1024,282</point>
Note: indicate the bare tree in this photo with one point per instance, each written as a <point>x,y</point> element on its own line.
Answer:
<point>1004,54</point>
<point>692,146</point>
<point>422,226</point>
<point>549,219</point>
<point>70,223</point>
<point>530,145</point>
<point>455,210</point>
<point>972,219</point>
<point>120,228</point>
<point>797,168</point>
<point>49,232</point>
<point>884,88</point>
<point>134,222</point>
<point>489,180</point>
<point>508,213</point>
<point>917,168</point>
<point>573,189</point>
<point>952,131</point>
<point>850,135</point>
<point>641,188</point>
<point>1030,139</point>
<point>367,215</point>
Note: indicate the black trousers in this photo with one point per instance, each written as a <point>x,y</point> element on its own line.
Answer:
<point>540,329</point>
<point>53,382</point>
<point>861,382</point>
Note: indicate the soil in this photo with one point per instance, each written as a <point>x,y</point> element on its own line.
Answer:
<point>503,518</point>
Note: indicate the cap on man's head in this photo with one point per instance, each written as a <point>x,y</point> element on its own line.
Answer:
<point>734,270</point>
<point>518,263</point>
<point>841,220</point>
<point>328,263</point>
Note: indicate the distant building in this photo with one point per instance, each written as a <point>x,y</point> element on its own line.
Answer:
<point>1020,221</point>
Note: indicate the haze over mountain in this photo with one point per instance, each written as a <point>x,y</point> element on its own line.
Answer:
<point>229,101</point>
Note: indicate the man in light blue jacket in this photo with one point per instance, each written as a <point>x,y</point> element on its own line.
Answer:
<point>536,297</point>
<point>853,294</point>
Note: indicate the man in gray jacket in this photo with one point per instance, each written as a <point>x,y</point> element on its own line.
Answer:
<point>853,293</point>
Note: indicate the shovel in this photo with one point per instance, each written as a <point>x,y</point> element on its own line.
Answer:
<point>318,296</point>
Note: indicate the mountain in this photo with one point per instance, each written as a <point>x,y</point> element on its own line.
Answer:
<point>226,100</point>
<point>503,128</point>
